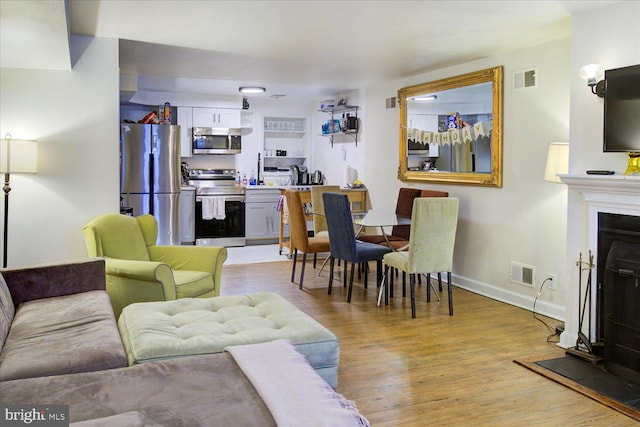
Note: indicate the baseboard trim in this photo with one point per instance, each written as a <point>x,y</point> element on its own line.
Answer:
<point>544,308</point>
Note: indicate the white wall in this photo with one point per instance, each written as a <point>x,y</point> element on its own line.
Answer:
<point>74,116</point>
<point>609,36</point>
<point>525,221</point>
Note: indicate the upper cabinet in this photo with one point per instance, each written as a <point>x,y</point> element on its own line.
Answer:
<point>217,118</point>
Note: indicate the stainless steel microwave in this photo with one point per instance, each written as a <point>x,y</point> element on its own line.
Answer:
<point>216,141</point>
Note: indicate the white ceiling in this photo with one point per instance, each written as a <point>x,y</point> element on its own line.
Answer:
<point>322,46</point>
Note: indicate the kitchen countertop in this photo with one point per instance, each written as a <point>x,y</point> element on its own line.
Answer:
<point>294,187</point>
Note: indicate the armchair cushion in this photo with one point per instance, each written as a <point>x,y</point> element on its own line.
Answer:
<point>191,284</point>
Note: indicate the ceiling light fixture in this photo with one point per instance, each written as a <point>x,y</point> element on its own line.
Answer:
<point>593,75</point>
<point>425,98</point>
<point>252,89</point>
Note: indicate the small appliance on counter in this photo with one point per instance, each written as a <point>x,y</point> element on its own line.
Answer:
<point>299,175</point>
<point>317,178</point>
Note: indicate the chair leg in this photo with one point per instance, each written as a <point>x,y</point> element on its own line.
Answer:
<point>366,274</point>
<point>412,286</point>
<point>304,262</point>
<point>450,293</point>
<point>428,287</point>
<point>344,275</point>
<point>391,280</point>
<point>381,283</point>
<point>353,270</point>
<point>440,282</point>
<point>378,272</point>
<point>315,259</point>
<point>386,276</point>
<point>331,264</point>
<point>293,267</point>
<point>404,284</point>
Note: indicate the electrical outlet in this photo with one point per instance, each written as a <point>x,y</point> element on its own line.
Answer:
<point>552,282</point>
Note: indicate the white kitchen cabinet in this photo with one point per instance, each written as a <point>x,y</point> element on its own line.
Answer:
<point>185,121</point>
<point>187,215</point>
<point>216,117</point>
<point>425,122</point>
<point>261,217</point>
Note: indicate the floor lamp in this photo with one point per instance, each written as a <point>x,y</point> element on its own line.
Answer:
<point>16,156</point>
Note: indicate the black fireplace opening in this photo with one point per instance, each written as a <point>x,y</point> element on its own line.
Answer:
<point>618,293</point>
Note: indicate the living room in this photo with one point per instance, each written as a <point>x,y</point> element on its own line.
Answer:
<point>73,114</point>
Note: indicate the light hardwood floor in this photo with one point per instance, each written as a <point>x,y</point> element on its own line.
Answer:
<point>434,370</point>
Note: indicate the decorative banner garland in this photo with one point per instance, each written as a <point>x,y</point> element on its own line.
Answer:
<point>451,136</point>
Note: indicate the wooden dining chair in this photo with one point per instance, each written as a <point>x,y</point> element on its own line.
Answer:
<point>433,231</point>
<point>298,235</point>
<point>343,243</point>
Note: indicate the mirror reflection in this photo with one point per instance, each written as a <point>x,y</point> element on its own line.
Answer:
<point>451,129</point>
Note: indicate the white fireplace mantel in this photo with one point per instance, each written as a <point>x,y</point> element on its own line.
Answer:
<point>617,194</point>
<point>614,189</point>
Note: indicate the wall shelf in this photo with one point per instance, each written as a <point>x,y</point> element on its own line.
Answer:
<point>342,109</point>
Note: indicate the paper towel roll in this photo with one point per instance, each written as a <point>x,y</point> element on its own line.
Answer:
<point>350,175</point>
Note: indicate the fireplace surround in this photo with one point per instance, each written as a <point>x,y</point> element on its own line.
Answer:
<point>592,198</point>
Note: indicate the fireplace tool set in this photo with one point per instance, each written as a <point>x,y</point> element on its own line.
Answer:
<point>591,351</point>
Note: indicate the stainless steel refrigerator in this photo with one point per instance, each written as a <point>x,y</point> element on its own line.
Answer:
<point>150,175</point>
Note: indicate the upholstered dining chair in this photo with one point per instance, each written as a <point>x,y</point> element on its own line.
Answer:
<point>343,243</point>
<point>319,220</point>
<point>431,242</point>
<point>138,270</point>
<point>299,239</point>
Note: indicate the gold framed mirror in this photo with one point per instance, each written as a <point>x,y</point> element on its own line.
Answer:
<point>451,130</point>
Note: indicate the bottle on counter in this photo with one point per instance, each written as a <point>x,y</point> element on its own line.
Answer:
<point>238,179</point>
<point>244,180</point>
<point>252,180</point>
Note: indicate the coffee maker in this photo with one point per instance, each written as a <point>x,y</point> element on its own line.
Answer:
<point>299,175</point>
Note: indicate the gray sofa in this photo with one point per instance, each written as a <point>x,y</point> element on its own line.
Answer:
<point>57,319</point>
<point>60,346</point>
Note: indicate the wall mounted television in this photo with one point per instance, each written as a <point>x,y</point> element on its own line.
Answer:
<point>622,110</point>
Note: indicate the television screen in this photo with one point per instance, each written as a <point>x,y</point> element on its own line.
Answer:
<point>622,110</point>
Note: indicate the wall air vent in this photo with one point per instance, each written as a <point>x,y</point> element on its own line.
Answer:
<point>525,79</point>
<point>523,274</point>
<point>390,102</point>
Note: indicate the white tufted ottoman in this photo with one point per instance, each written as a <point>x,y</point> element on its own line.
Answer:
<point>165,329</point>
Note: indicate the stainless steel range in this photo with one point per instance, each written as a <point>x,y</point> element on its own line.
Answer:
<point>220,208</point>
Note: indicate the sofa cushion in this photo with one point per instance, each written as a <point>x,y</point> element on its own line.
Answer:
<point>61,335</point>
<point>159,330</point>
<point>7,310</point>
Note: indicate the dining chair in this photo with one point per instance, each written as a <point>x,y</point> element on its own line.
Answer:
<point>400,233</point>
<point>343,243</point>
<point>298,235</point>
<point>319,220</point>
<point>431,242</point>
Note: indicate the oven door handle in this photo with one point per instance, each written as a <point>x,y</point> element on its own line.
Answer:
<point>226,198</point>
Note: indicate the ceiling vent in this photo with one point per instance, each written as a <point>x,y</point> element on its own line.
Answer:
<point>525,79</point>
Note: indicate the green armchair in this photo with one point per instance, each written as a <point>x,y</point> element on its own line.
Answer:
<point>139,270</point>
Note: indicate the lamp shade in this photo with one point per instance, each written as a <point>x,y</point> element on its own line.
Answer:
<point>18,156</point>
<point>557,161</point>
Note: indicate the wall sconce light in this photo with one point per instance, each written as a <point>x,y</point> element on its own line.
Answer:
<point>593,74</point>
<point>557,161</point>
<point>252,89</point>
<point>16,156</point>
